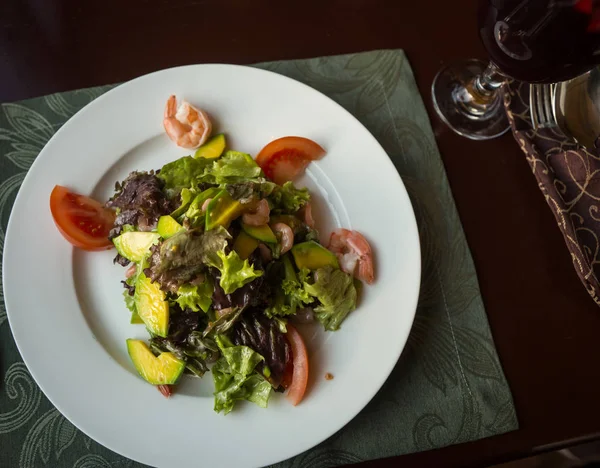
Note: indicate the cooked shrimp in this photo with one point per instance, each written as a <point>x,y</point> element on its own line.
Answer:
<point>206,203</point>
<point>259,216</point>
<point>285,235</point>
<point>187,126</point>
<point>353,250</point>
<point>307,215</point>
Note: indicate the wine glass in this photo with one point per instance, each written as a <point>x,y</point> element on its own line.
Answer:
<point>536,41</point>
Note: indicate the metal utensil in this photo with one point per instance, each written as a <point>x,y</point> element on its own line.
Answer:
<point>577,108</point>
<point>542,99</point>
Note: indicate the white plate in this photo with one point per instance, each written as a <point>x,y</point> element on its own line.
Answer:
<point>66,309</point>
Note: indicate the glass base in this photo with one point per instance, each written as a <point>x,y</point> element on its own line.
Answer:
<point>466,113</point>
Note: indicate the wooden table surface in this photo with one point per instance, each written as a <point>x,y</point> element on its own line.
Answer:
<point>544,324</point>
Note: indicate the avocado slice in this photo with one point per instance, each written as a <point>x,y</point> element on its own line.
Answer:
<point>262,233</point>
<point>151,305</point>
<point>213,148</point>
<point>167,227</point>
<point>312,255</point>
<point>222,210</point>
<point>135,319</point>
<point>244,245</point>
<point>164,369</point>
<point>134,245</point>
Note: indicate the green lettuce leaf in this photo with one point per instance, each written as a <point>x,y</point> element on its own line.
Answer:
<point>196,297</point>
<point>235,378</point>
<point>336,292</point>
<point>187,195</point>
<point>185,172</point>
<point>291,294</point>
<point>130,299</point>
<point>234,167</point>
<point>194,213</point>
<point>289,199</point>
<point>235,272</point>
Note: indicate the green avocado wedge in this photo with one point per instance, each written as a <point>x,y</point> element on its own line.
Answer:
<point>222,210</point>
<point>244,245</point>
<point>213,148</point>
<point>312,255</point>
<point>167,227</point>
<point>164,369</point>
<point>135,245</point>
<point>262,233</point>
<point>151,305</point>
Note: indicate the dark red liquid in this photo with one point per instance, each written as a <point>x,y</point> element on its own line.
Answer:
<point>540,40</point>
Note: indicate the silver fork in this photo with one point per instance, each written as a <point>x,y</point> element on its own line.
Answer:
<point>542,98</point>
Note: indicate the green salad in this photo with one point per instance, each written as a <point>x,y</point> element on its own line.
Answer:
<point>222,262</point>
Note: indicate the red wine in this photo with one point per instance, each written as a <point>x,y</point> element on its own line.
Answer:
<point>541,40</point>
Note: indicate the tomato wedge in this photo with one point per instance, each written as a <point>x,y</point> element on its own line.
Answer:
<point>286,158</point>
<point>300,360</point>
<point>84,222</point>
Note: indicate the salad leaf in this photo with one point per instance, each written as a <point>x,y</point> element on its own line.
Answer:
<point>187,195</point>
<point>194,213</point>
<point>234,167</point>
<point>180,258</point>
<point>186,172</point>
<point>201,346</point>
<point>253,294</point>
<point>140,201</point>
<point>336,292</point>
<point>265,336</point>
<point>196,297</point>
<point>226,319</point>
<point>186,342</point>
<point>291,294</point>
<point>235,379</point>
<point>235,272</point>
<point>130,300</point>
<point>289,199</point>
<point>250,190</point>
<point>295,292</point>
<point>195,351</point>
<point>129,285</point>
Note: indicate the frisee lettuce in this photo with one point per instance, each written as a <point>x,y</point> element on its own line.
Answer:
<point>289,199</point>
<point>336,293</point>
<point>235,272</point>
<point>234,167</point>
<point>196,297</point>
<point>186,172</point>
<point>291,294</point>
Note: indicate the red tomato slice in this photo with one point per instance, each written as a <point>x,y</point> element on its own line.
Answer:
<point>286,158</point>
<point>300,359</point>
<point>84,222</point>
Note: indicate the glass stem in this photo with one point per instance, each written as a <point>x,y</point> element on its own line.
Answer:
<point>479,98</point>
<point>490,80</point>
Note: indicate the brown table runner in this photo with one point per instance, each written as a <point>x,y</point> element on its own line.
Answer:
<point>569,177</point>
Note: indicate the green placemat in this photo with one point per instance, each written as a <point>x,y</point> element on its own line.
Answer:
<point>448,387</point>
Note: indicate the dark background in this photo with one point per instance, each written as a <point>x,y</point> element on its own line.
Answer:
<point>544,323</point>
